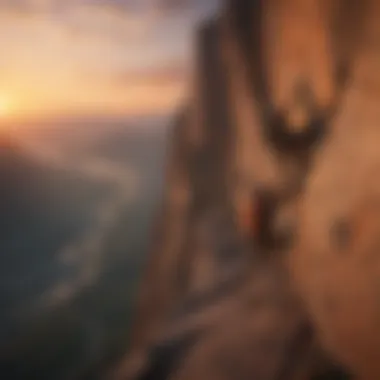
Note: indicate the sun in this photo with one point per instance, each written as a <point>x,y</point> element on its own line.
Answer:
<point>5,106</point>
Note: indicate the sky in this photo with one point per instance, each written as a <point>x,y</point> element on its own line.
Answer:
<point>95,57</point>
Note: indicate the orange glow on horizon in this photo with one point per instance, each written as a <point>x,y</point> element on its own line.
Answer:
<point>5,106</point>
<point>128,100</point>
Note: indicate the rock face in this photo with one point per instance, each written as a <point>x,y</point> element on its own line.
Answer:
<point>218,299</point>
<point>340,217</point>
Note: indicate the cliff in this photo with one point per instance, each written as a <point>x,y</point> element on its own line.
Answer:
<point>213,303</point>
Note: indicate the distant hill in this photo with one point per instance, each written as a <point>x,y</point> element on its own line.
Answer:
<point>43,208</point>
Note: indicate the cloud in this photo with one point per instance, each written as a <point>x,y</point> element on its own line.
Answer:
<point>176,5</point>
<point>198,6</point>
<point>172,73</point>
<point>87,50</point>
<point>17,5</point>
<point>45,5</point>
<point>106,22</point>
<point>100,17</point>
<point>141,8</point>
<point>73,55</point>
<point>30,6</point>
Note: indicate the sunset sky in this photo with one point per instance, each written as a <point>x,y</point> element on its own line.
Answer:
<point>106,57</point>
